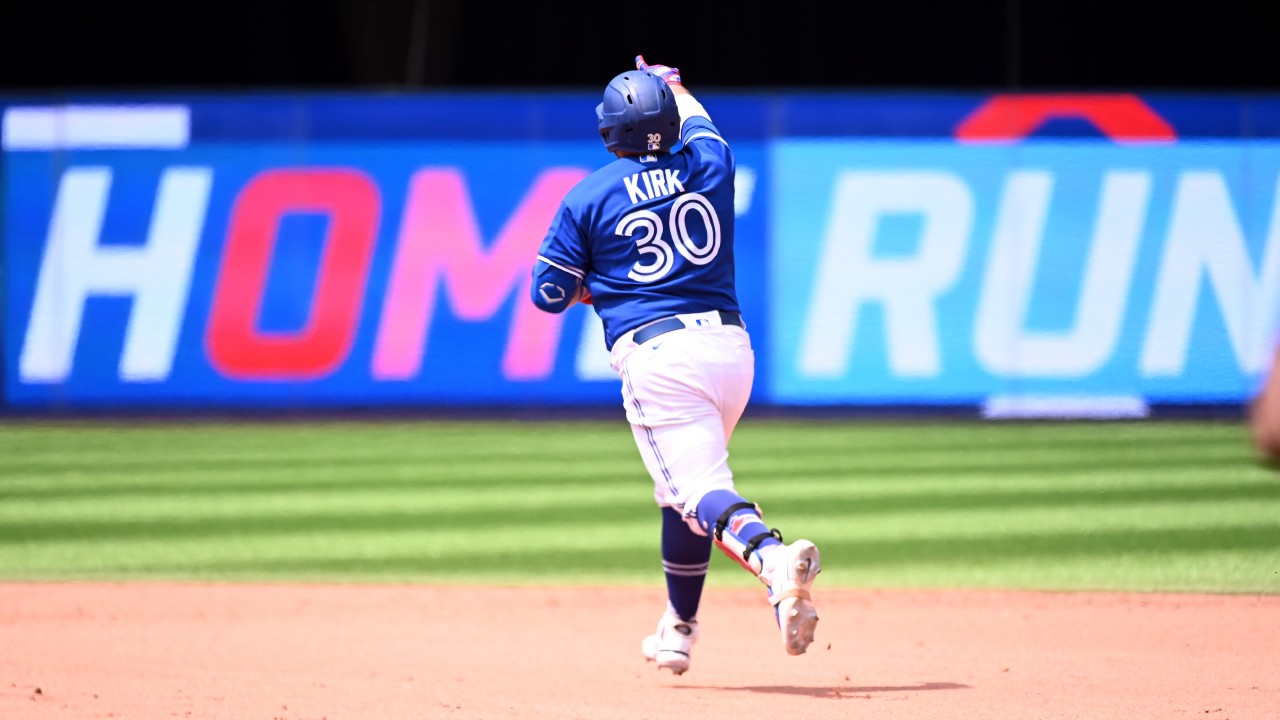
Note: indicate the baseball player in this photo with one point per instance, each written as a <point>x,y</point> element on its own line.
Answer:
<point>648,241</point>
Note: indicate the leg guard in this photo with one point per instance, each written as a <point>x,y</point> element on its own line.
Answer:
<point>740,532</point>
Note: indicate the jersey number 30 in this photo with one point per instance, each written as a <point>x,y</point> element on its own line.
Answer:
<point>646,227</point>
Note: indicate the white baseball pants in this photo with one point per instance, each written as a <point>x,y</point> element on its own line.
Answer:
<point>684,392</point>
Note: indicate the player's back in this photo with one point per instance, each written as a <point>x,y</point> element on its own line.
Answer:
<point>659,232</point>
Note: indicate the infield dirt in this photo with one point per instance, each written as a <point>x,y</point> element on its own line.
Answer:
<point>306,652</point>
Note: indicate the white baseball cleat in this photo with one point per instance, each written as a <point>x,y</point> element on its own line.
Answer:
<point>790,574</point>
<point>669,647</point>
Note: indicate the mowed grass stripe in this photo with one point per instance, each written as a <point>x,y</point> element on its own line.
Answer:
<point>237,473</point>
<point>819,436</point>
<point>862,494</point>
<point>547,516</point>
<point>391,475</point>
<point>587,476</point>
<point>418,436</point>
<point>19,518</point>
<point>1160,560</point>
<point>969,482</point>
<point>916,502</point>
<point>456,506</point>
<point>175,456</point>
<point>1044,534</point>
<point>203,439</point>
<point>141,445</point>
<point>516,550</point>
<point>1017,457</point>
<point>175,460</point>
<point>516,477</point>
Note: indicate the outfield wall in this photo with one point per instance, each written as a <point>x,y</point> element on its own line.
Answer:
<point>1041,254</point>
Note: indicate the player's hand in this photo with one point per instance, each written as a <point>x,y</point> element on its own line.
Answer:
<point>669,75</point>
<point>585,296</point>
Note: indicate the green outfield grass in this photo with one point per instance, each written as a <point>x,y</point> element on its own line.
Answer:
<point>1152,506</point>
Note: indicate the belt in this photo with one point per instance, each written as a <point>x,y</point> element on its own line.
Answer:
<point>666,325</point>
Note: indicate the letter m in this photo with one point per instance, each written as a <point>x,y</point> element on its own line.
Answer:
<point>440,246</point>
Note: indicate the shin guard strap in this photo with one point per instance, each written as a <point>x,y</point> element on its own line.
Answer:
<point>792,593</point>
<point>728,513</point>
<point>754,542</point>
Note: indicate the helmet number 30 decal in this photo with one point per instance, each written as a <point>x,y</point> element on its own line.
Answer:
<point>647,229</point>
<point>655,141</point>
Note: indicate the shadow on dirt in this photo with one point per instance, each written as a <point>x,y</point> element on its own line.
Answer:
<point>832,692</point>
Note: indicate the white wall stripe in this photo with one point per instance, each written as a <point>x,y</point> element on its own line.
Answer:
<point>1065,407</point>
<point>96,127</point>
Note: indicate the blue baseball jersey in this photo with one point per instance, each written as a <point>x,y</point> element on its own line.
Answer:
<point>652,236</point>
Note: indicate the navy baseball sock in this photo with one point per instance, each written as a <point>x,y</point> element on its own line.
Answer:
<point>685,559</point>
<point>741,526</point>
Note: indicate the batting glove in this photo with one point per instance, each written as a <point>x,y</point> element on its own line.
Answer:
<point>669,75</point>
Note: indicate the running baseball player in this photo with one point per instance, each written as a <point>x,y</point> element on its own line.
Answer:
<point>648,241</point>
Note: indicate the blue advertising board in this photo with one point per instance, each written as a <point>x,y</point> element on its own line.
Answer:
<point>939,272</point>
<point>893,249</point>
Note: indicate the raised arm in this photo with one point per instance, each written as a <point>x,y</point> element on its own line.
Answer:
<point>669,75</point>
<point>685,102</point>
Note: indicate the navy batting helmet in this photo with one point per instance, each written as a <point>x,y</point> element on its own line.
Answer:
<point>638,114</point>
